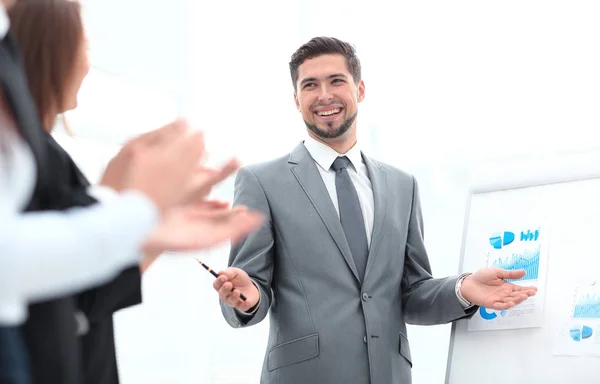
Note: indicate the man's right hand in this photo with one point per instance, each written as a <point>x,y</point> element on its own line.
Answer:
<point>238,278</point>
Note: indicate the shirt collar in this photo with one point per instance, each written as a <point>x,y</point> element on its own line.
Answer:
<point>4,22</point>
<point>324,155</point>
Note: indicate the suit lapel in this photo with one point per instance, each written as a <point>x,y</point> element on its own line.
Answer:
<point>305,170</point>
<point>79,179</point>
<point>379,184</point>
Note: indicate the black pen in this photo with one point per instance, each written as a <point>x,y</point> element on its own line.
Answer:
<point>216,275</point>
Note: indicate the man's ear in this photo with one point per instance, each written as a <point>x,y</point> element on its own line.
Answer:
<point>361,91</point>
<point>297,102</point>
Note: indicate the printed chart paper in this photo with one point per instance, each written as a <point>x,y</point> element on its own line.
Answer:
<point>515,247</point>
<point>580,334</point>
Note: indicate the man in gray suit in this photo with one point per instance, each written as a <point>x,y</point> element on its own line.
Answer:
<point>341,263</point>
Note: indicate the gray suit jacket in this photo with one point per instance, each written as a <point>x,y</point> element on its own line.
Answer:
<point>326,326</point>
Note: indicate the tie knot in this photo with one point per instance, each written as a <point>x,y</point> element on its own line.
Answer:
<point>340,163</point>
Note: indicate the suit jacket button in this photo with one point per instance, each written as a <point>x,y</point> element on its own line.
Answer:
<point>365,339</point>
<point>365,297</point>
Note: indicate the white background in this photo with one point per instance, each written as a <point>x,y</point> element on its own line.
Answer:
<point>455,91</point>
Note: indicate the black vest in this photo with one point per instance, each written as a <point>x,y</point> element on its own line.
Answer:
<point>57,354</point>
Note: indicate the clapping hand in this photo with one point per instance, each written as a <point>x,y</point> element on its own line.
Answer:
<point>200,226</point>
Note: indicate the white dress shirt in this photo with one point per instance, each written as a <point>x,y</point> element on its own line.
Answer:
<point>49,254</point>
<point>324,157</point>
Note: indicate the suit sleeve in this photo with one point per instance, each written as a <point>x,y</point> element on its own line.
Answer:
<point>427,301</point>
<point>255,253</point>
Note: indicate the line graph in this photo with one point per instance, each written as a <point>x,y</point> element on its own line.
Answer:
<point>529,260</point>
<point>587,307</point>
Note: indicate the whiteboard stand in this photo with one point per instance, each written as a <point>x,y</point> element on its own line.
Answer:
<point>567,189</point>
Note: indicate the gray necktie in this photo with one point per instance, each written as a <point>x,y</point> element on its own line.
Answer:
<point>351,214</point>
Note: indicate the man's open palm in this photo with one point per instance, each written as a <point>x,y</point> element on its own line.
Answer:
<point>488,288</point>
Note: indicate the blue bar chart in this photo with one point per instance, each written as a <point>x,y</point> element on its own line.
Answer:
<point>587,307</point>
<point>529,260</point>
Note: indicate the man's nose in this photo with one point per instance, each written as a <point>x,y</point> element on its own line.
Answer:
<point>325,93</point>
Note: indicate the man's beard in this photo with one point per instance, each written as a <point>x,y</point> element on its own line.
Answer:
<point>332,133</point>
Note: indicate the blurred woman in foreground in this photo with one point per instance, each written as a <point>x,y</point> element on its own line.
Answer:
<point>70,339</point>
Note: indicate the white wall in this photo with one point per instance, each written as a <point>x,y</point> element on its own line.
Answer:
<point>452,88</point>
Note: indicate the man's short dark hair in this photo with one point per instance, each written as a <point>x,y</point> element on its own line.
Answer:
<point>318,46</point>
